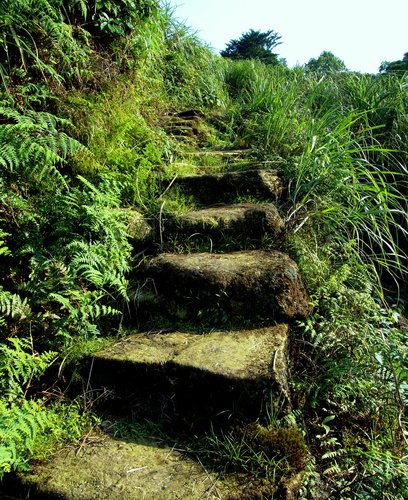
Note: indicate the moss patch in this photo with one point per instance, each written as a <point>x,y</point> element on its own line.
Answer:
<point>120,469</point>
<point>239,220</point>
<point>218,287</point>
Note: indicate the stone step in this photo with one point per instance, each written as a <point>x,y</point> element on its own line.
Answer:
<point>119,469</point>
<point>219,152</point>
<point>187,114</point>
<point>243,220</point>
<point>232,286</point>
<point>209,189</point>
<point>180,122</point>
<point>195,380</point>
<point>213,165</point>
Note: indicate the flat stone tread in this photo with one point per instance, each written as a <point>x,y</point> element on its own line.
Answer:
<point>114,469</point>
<point>231,212</point>
<point>224,264</point>
<point>255,173</point>
<point>243,284</point>
<point>244,354</point>
<point>219,152</point>
<point>212,188</point>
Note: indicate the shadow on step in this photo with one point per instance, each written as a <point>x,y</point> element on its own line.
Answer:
<point>178,397</point>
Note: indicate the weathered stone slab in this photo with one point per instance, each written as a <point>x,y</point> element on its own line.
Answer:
<point>192,378</point>
<point>139,229</point>
<point>243,354</point>
<point>246,284</point>
<point>221,153</point>
<point>210,189</point>
<point>113,469</point>
<point>243,220</point>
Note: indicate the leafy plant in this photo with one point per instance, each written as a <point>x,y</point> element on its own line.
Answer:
<point>254,45</point>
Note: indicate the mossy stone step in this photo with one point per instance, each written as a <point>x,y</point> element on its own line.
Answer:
<point>187,114</point>
<point>219,152</point>
<point>140,228</point>
<point>213,165</point>
<point>209,189</point>
<point>192,379</point>
<point>234,286</point>
<point>118,469</point>
<point>246,220</point>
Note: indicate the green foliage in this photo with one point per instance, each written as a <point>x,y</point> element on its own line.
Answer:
<point>19,429</point>
<point>25,424</point>
<point>118,18</point>
<point>400,66</point>
<point>270,454</point>
<point>286,442</point>
<point>124,147</point>
<point>193,75</point>
<point>352,377</point>
<point>64,258</point>
<point>30,429</point>
<point>254,45</point>
<point>326,63</point>
<point>336,157</point>
<point>340,143</point>
<point>74,245</point>
<point>31,145</point>
<point>347,185</point>
<point>34,38</point>
<point>51,39</point>
<point>270,114</point>
<point>19,365</point>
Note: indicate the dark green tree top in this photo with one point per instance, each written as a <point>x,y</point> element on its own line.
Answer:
<point>327,62</point>
<point>254,45</point>
<point>395,66</point>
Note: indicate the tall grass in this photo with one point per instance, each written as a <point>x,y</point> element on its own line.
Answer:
<point>336,143</point>
<point>340,141</point>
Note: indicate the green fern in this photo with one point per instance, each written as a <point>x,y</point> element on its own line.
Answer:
<point>31,30</point>
<point>4,249</point>
<point>19,364</point>
<point>32,145</point>
<point>13,305</point>
<point>19,425</point>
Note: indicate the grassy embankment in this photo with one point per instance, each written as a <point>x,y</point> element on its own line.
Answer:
<point>84,101</point>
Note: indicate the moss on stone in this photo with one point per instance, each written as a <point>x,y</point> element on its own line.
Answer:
<point>118,469</point>
<point>244,220</point>
<point>245,284</point>
<point>245,354</point>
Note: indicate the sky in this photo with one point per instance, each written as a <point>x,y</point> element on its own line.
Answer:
<point>363,33</point>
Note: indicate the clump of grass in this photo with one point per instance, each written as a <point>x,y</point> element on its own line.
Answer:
<point>285,444</point>
<point>270,454</point>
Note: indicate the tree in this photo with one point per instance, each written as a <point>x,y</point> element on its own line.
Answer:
<point>327,62</point>
<point>254,45</point>
<point>395,66</point>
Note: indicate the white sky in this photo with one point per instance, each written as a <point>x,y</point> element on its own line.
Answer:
<point>363,33</point>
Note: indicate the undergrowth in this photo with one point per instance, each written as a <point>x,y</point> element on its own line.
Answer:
<point>85,100</point>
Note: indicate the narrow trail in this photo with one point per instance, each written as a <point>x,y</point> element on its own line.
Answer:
<point>193,367</point>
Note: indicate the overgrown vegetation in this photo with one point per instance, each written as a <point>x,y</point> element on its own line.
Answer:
<point>86,92</point>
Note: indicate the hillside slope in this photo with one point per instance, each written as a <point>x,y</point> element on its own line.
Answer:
<point>104,114</point>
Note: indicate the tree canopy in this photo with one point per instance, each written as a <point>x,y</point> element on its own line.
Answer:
<point>395,66</point>
<point>254,45</point>
<point>327,62</point>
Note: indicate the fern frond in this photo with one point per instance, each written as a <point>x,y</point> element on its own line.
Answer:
<point>335,453</point>
<point>33,144</point>
<point>19,426</point>
<point>13,305</point>
<point>4,249</point>
<point>19,364</point>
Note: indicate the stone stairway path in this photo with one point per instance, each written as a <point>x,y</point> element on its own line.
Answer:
<point>196,367</point>
<point>252,219</point>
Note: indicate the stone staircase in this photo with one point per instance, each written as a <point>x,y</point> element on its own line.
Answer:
<point>214,350</point>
